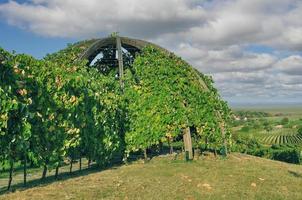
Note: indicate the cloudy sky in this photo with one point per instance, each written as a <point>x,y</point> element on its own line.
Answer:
<point>252,48</point>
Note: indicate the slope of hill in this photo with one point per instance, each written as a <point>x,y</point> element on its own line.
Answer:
<point>238,177</point>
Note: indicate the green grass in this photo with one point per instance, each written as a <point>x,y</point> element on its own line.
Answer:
<point>238,177</point>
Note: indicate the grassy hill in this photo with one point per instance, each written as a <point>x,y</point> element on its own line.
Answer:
<point>238,177</point>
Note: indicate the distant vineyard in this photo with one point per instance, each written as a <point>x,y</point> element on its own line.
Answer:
<point>279,137</point>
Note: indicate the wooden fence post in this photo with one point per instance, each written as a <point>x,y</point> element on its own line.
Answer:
<point>188,144</point>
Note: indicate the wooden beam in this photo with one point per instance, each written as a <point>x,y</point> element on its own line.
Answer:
<point>120,60</point>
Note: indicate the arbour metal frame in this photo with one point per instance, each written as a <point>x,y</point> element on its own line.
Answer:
<point>133,46</point>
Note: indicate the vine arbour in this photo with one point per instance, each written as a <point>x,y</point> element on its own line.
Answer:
<point>134,46</point>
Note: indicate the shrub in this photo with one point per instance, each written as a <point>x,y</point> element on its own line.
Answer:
<point>244,144</point>
<point>285,153</point>
<point>288,155</point>
<point>245,129</point>
<point>284,121</point>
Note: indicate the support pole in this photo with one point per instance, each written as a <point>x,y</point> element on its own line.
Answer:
<point>225,152</point>
<point>188,144</point>
<point>24,169</point>
<point>120,60</point>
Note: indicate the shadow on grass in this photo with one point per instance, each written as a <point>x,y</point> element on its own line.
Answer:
<point>94,168</point>
<point>61,177</point>
<point>295,174</point>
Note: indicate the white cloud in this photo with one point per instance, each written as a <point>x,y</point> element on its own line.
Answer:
<point>231,22</point>
<point>227,59</point>
<point>291,65</point>
<point>92,17</point>
<point>212,35</point>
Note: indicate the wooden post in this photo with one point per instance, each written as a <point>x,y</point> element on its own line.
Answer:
<point>11,170</point>
<point>145,154</point>
<point>71,162</point>
<point>196,154</point>
<point>25,170</point>
<point>89,162</point>
<point>120,60</point>
<point>80,163</point>
<point>57,171</point>
<point>224,139</point>
<point>170,145</point>
<point>44,171</point>
<point>188,144</point>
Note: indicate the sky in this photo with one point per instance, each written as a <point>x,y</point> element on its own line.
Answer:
<point>251,48</point>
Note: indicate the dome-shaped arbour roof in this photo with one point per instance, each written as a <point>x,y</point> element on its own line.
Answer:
<point>133,46</point>
<point>94,47</point>
<point>116,46</point>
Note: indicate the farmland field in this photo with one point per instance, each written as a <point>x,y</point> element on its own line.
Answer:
<point>274,133</point>
<point>270,129</point>
<point>281,136</point>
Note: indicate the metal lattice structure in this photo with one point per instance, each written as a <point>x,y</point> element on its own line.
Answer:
<point>115,52</point>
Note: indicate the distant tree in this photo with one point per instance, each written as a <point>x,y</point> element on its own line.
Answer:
<point>256,125</point>
<point>284,121</point>
<point>245,129</point>
<point>267,126</point>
